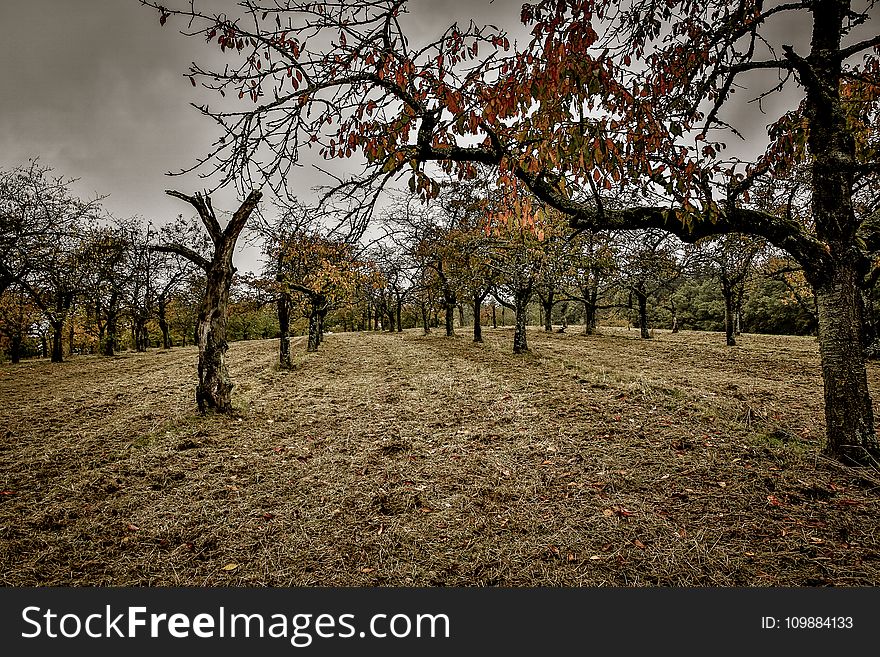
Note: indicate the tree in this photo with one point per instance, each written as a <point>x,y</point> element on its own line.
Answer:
<point>42,226</point>
<point>214,391</point>
<point>649,265</point>
<point>323,270</point>
<point>602,95</point>
<point>730,259</point>
<point>18,318</point>
<point>594,264</point>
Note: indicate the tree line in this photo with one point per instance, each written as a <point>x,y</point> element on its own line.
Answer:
<point>76,280</point>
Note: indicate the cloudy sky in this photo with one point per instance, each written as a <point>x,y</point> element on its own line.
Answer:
<point>95,89</point>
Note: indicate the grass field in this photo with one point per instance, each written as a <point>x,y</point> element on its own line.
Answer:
<point>410,460</point>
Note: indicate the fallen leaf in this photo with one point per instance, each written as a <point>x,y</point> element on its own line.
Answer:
<point>268,516</point>
<point>639,544</point>
<point>367,570</point>
<point>771,499</point>
<point>7,492</point>
<point>817,541</point>
<point>608,513</point>
<point>132,528</point>
<point>595,557</point>
<point>230,566</point>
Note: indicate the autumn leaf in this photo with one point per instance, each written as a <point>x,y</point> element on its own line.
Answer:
<point>230,567</point>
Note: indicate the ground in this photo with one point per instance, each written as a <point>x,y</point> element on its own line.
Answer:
<point>411,460</point>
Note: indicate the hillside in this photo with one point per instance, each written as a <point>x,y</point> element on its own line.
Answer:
<point>406,460</point>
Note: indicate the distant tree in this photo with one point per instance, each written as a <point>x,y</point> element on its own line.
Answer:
<point>592,273</point>
<point>214,391</point>
<point>648,264</point>
<point>19,317</point>
<point>731,259</point>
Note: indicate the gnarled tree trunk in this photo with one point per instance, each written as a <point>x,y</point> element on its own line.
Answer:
<point>214,391</point>
<point>849,417</point>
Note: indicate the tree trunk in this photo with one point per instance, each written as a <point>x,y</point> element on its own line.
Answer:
<point>478,328</point>
<point>399,313</point>
<point>849,418</point>
<point>425,328</point>
<point>163,324</point>
<point>589,317</point>
<point>461,322</point>
<point>108,348</point>
<point>548,304</point>
<point>214,391</point>
<point>283,305</point>
<point>521,301</point>
<point>15,347</point>
<point>57,341</point>
<point>494,317</point>
<point>729,317</point>
<point>313,331</point>
<point>643,314</point>
<point>44,347</point>
<point>71,332</point>
<point>450,319</point>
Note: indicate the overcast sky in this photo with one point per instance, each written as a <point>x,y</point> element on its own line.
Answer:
<point>95,89</point>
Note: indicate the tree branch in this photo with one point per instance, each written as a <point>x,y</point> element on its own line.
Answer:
<point>183,251</point>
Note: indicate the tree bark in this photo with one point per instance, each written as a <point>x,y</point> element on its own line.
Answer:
<point>521,302</point>
<point>313,331</point>
<point>589,316</point>
<point>450,319</point>
<point>425,326</point>
<point>283,305</point>
<point>849,418</point>
<point>57,341</point>
<point>478,328</point>
<point>163,323</point>
<point>729,316</point>
<point>548,303</point>
<point>15,348</point>
<point>642,300</point>
<point>108,348</point>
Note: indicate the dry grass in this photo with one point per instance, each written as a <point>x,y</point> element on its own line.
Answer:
<point>407,460</point>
